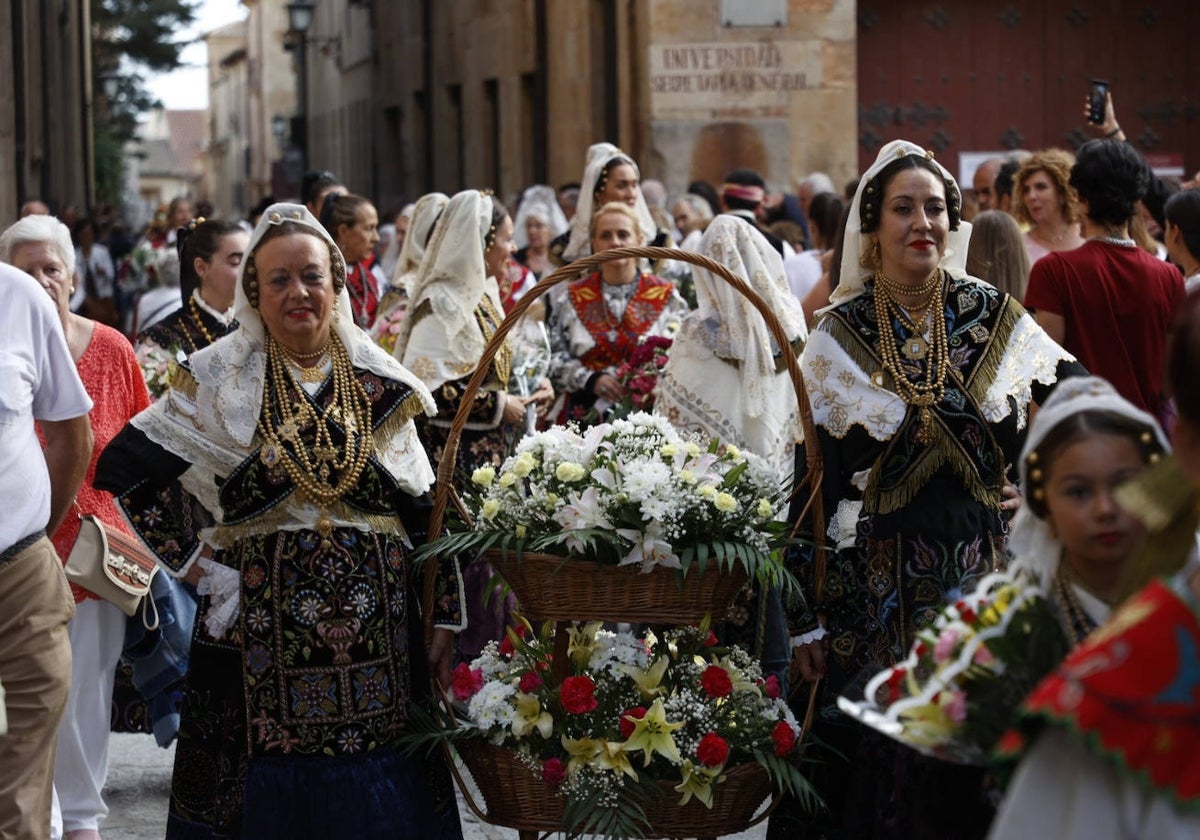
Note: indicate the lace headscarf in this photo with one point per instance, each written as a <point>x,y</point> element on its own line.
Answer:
<point>598,155</point>
<point>856,268</point>
<point>542,202</point>
<point>741,395</point>
<point>1032,542</point>
<point>447,343</point>
<point>425,213</point>
<point>230,374</point>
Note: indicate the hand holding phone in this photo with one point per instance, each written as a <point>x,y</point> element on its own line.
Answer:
<point>1097,100</point>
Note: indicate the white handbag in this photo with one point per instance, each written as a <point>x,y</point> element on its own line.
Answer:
<point>113,565</point>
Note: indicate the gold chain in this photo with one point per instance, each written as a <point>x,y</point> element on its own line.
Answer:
<point>936,354</point>
<point>313,468</point>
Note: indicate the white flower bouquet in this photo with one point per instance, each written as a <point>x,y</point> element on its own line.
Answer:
<point>631,492</point>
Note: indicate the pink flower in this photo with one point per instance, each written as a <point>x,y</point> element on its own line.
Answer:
<point>955,705</point>
<point>983,656</point>
<point>771,687</point>
<point>946,643</point>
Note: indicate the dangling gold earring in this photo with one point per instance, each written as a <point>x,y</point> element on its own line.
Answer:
<point>871,259</point>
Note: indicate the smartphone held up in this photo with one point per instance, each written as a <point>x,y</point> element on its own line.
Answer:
<point>1096,101</point>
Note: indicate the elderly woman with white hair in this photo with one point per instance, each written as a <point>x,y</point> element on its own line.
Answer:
<point>41,246</point>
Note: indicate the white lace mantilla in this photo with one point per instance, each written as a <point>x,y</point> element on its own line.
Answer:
<point>842,394</point>
<point>1029,356</point>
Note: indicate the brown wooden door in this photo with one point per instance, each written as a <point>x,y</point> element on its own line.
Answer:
<point>978,76</point>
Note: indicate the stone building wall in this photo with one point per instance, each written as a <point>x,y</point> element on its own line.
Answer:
<point>780,99</point>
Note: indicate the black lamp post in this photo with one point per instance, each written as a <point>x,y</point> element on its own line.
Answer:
<point>300,18</point>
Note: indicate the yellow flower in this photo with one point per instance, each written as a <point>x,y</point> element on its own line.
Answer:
<point>725,503</point>
<point>524,464</point>
<point>687,476</point>
<point>765,508</point>
<point>697,782</point>
<point>484,476</point>
<point>583,752</point>
<point>648,681</point>
<point>508,480</point>
<point>490,508</point>
<point>707,491</point>
<point>652,734</point>
<point>582,643</point>
<point>614,757</point>
<point>550,502</point>
<point>569,471</point>
<point>732,451</point>
<point>521,531</point>
<point>669,450</point>
<point>692,448</point>
<point>530,716</point>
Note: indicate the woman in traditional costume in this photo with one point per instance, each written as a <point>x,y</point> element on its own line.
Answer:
<point>726,379</point>
<point>920,380</point>
<point>394,305</point>
<point>602,317</point>
<point>1108,743</point>
<point>353,223</point>
<point>454,310</point>
<point>295,437</point>
<point>210,254</point>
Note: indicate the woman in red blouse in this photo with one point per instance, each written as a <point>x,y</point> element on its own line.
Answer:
<point>41,246</point>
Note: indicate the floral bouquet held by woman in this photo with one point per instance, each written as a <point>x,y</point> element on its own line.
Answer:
<point>968,672</point>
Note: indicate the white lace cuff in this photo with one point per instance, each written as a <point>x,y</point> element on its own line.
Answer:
<point>810,636</point>
<point>223,585</point>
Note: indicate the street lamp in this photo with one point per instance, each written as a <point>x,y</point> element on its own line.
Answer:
<point>300,18</point>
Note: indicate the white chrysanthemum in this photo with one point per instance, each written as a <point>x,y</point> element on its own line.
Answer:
<point>491,706</point>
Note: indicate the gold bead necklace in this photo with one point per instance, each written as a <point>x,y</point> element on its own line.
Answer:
<point>935,353</point>
<point>323,472</point>
<point>199,324</point>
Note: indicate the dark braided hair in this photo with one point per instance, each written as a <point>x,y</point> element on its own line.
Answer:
<point>871,208</point>
<point>602,178</point>
<point>499,214</point>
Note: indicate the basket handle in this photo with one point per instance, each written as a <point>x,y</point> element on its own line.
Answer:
<point>814,506</point>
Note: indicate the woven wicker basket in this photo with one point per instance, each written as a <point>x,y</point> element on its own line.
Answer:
<point>513,794</point>
<point>552,588</point>
<point>444,493</point>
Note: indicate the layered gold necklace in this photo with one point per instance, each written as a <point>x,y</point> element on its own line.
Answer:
<point>322,471</point>
<point>934,353</point>
<point>199,322</point>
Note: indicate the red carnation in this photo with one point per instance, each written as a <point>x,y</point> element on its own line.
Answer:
<point>627,718</point>
<point>771,687</point>
<point>554,772</point>
<point>465,681</point>
<point>507,649</point>
<point>784,738</point>
<point>710,639</point>
<point>578,695</point>
<point>713,750</point>
<point>716,682</point>
<point>530,682</point>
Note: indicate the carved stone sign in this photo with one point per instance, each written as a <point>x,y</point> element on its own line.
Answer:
<point>695,79</point>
